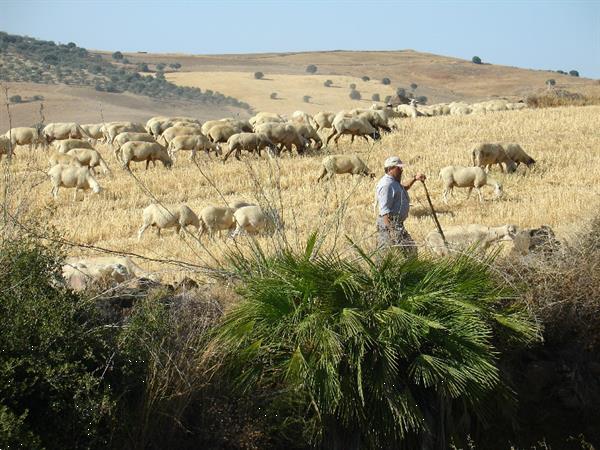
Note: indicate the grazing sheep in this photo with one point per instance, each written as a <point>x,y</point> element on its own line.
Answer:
<point>305,118</point>
<point>128,136</point>
<point>94,131</point>
<point>323,119</point>
<point>254,219</point>
<point>64,159</point>
<point>72,177</point>
<point>67,144</point>
<point>172,132</point>
<point>283,135</point>
<point>25,136</point>
<point>112,129</point>
<point>222,132</point>
<point>89,157</point>
<point>265,117</point>
<point>193,143</point>
<point>308,133</point>
<point>144,151</point>
<point>5,146</point>
<point>409,110</point>
<point>156,125</point>
<point>469,177</point>
<point>378,119</point>
<point>463,236</point>
<point>216,218</point>
<point>59,131</point>
<point>355,126</point>
<point>242,125</point>
<point>339,164</point>
<point>518,155</point>
<point>237,204</point>
<point>486,155</point>
<point>175,216</point>
<point>251,142</point>
<point>535,240</point>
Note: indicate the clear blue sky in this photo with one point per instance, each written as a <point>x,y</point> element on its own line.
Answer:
<point>531,34</point>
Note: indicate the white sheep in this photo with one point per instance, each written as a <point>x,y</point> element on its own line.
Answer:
<point>323,119</point>
<point>170,133</point>
<point>488,154</point>
<point>193,144</point>
<point>216,218</point>
<point>355,126</point>
<point>463,236</point>
<point>251,142</point>
<point>144,151</point>
<point>173,216</point>
<point>254,219</point>
<point>469,177</point>
<point>340,164</point>
<point>72,177</point>
<point>67,144</point>
<point>59,131</point>
<point>518,155</point>
<point>284,135</point>
<point>89,157</point>
<point>25,136</point>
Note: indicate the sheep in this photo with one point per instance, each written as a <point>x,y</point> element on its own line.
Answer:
<point>237,204</point>
<point>64,159</point>
<point>308,133</point>
<point>518,155</point>
<point>377,118</point>
<point>302,117</point>
<point>25,136</point>
<point>193,143</point>
<point>144,151</point>
<point>242,125</point>
<point>254,219</point>
<point>251,142</point>
<point>355,126</point>
<point>93,130</point>
<point>156,125</point>
<point>535,240</point>
<point>409,110</point>
<point>516,106</point>
<point>67,144</point>
<point>323,119</point>
<point>284,135</point>
<point>175,216</point>
<point>265,117</point>
<point>222,132</point>
<point>469,177</point>
<point>462,236</point>
<point>112,129</point>
<point>339,164</point>
<point>59,131</point>
<point>89,157</point>
<point>486,155</point>
<point>216,218</point>
<point>72,177</point>
<point>127,136</point>
<point>170,133</point>
<point>5,146</point>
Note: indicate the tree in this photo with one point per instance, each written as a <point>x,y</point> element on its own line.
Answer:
<point>371,352</point>
<point>311,68</point>
<point>143,67</point>
<point>160,67</point>
<point>573,73</point>
<point>355,95</point>
<point>386,81</point>
<point>365,78</point>
<point>259,75</point>
<point>476,60</point>
<point>15,99</point>
<point>414,86</point>
<point>175,66</point>
<point>550,82</point>
<point>273,96</point>
<point>375,97</point>
<point>401,92</point>
<point>306,98</point>
<point>328,83</point>
<point>352,86</point>
<point>422,99</point>
<point>117,55</point>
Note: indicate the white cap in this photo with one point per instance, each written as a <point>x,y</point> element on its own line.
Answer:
<point>393,161</point>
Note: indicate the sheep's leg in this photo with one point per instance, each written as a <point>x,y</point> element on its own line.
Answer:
<point>479,194</point>
<point>330,136</point>
<point>322,174</point>
<point>365,138</point>
<point>352,139</point>
<point>75,194</point>
<point>142,229</point>
<point>54,192</point>
<point>469,192</point>
<point>445,196</point>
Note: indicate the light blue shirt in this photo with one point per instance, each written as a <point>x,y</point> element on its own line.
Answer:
<point>392,198</point>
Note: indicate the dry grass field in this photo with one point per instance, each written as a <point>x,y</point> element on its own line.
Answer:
<point>561,191</point>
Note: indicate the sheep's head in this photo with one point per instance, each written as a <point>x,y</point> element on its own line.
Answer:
<point>375,135</point>
<point>511,166</point>
<point>218,150</point>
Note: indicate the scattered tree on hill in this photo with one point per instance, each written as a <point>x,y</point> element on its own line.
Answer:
<point>143,67</point>
<point>375,97</point>
<point>574,73</point>
<point>306,98</point>
<point>175,66</point>
<point>386,81</point>
<point>16,99</point>
<point>401,92</point>
<point>414,86</point>
<point>117,56</point>
<point>160,67</point>
<point>37,98</point>
<point>550,82</point>
<point>562,72</point>
<point>259,75</point>
<point>365,78</point>
<point>476,60</point>
<point>328,83</point>
<point>355,95</point>
<point>273,96</point>
<point>311,68</point>
<point>422,99</point>
<point>352,85</point>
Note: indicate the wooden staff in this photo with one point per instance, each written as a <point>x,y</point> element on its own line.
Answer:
<point>437,222</point>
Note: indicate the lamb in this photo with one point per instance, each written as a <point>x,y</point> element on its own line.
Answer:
<point>323,119</point>
<point>222,132</point>
<point>284,135</point>
<point>251,142</point>
<point>237,204</point>
<point>25,136</point>
<point>72,177</point>
<point>535,240</point>
<point>89,157</point>
<point>355,126</point>
<point>59,131</point>
<point>339,164</point>
<point>253,219</point>
<point>144,151</point>
<point>409,110</point>
<point>193,143</point>
<point>486,155</point>
<point>67,144</point>
<point>308,133</point>
<point>127,136</point>
<point>469,177</point>
<point>518,155</point>
<point>463,236</point>
<point>177,216</point>
<point>216,218</point>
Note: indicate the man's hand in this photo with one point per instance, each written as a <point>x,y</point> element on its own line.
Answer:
<point>420,177</point>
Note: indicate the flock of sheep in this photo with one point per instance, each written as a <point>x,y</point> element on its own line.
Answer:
<point>73,158</point>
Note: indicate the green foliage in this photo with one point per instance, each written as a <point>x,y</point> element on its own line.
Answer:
<point>143,67</point>
<point>175,66</point>
<point>401,92</point>
<point>422,99</point>
<point>259,75</point>
<point>15,99</point>
<point>328,83</point>
<point>161,67</point>
<point>574,73</point>
<point>355,95</point>
<point>476,60</point>
<point>376,97</point>
<point>352,86</point>
<point>306,98</point>
<point>273,96</point>
<point>117,56</point>
<point>414,86</point>
<point>551,82</point>
<point>365,78</point>
<point>311,68</point>
<point>372,353</point>
<point>386,81</point>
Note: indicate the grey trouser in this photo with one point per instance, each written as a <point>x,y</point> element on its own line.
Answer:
<point>397,237</point>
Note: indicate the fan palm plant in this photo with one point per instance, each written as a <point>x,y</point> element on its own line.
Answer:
<point>384,353</point>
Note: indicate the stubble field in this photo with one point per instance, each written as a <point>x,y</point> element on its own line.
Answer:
<point>562,190</point>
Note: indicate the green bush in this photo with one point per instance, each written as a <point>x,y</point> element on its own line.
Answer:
<point>273,96</point>
<point>306,98</point>
<point>573,73</point>
<point>175,66</point>
<point>414,86</point>
<point>371,353</point>
<point>259,75</point>
<point>476,60</point>
<point>328,83</point>
<point>551,82</point>
<point>15,99</point>
<point>117,56</point>
<point>375,98</point>
<point>365,78</point>
<point>386,81</point>
<point>311,68</point>
<point>352,86</point>
<point>422,99</point>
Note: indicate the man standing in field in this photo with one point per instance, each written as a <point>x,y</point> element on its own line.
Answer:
<point>393,205</point>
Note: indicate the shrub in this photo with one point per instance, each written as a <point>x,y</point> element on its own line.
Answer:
<point>368,352</point>
<point>352,86</point>
<point>37,98</point>
<point>562,72</point>
<point>117,56</point>
<point>386,81</point>
<point>422,99</point>
<point>551,82</point>
<point>414,86</point>
<point>311,68</point>
<point>161,67</point>
<point>258,75</point>
<point>273,95</point>
<point>15,99</point>
<point>573,73</point>
<point>375,97</point>
<point>365,78</point>
<point>401,92</point>
<point>143,67</point>
<point>476,60</point>
<point>175,66</point>
<point>306,98</point>
<point>328,83</point>
<point>355,95</point>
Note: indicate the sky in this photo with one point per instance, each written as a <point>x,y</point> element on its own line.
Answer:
<point>548,35</point>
